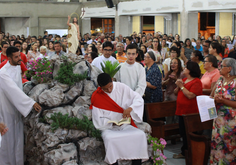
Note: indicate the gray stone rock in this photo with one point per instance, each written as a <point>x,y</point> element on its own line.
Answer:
<point>80,67</point>
<point>80,111</point>
<point>37,90</point>
<point>75,58</point>
<point>63,87</point>
<point>27,87</point>
<point>51,98</point>
<point>96,163</point>
<point>91,150</point>
<point>74,92</point>
<point>65,152</point>
<point>145,127</point>
<point>89,87</point>
<point>54,138</point>
<point>82,100</point>
<point>34,81</point>
<point>56,65</point>
<point>72,162</point>
<point>94,73</point>
<point>75,134</point>
<point>64,110</point>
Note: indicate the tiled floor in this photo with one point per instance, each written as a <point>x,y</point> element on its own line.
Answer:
<point>173,149</point>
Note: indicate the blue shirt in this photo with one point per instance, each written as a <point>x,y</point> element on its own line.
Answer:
<point>201,49</point>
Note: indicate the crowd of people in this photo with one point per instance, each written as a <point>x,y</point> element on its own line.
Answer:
<point>152,64</point>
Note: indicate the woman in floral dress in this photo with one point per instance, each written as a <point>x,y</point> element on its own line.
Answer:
<point>223,144</point>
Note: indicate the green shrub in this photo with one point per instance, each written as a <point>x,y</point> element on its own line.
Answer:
<point>64,121</point>
<point>110,68</point>
<point>65,74</point>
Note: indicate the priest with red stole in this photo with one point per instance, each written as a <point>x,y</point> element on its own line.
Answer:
<point>114,101</point>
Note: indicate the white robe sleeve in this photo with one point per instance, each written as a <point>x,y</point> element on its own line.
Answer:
<point>15,95</point>
<point>100,119</point>
<point>136,103</point>
<point>142,82</point>
<point>0,139</point>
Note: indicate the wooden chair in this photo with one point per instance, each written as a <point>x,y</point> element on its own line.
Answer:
<point>159,128</point>
<point>198,145</point>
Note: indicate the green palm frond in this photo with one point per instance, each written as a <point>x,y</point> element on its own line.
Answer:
<point>110,68</point>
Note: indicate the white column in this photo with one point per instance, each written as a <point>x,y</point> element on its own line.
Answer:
<point>184,22</point>
<point>86,25</point>
<point>193,25</point>
<point>174,24</point>
<point>217,18</point>
<point>117,23</point>
<point>125,25</point>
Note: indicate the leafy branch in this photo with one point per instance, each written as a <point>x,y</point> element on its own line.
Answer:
<point>110,68</point>
<point>66,76</point>
<point>64,121</point>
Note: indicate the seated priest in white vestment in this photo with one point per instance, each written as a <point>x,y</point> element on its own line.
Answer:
<point>114,101</point>
<point>14,104</point>
<point>132,73</point>
<point>107,49</point>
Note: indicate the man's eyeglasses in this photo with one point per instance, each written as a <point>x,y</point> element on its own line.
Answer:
<point>206,61</point>
<point>205,45</point>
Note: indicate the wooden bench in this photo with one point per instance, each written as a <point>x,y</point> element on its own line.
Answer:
<point>159,128</point>
<point>198,145</point>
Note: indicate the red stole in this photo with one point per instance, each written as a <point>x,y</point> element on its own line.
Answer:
<point>101,100</point>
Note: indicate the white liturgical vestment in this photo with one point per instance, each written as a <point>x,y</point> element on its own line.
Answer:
<point>101,59</point>
<point>132,75</point>
<point>122,142</point>
<point>13,104</point>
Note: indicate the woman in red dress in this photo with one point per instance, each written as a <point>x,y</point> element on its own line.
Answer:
<point>187,88</point>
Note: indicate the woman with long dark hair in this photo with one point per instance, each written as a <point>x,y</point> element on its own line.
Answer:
<point>51,49</point>
<point>24,48</point>
<point>143,40</point>
<point>171,77</point>
<point>225,50</point>
<point>156,48</point>
<point>215,49</point>
<point>187,48</point>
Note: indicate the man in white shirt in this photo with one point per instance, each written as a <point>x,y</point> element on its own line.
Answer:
<point>132,73</point>
<point>93,39</point>
<point>114,101</point>
<point>14,104</point>
<point>107,49</point>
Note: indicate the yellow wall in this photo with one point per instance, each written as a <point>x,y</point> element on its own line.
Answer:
<point>225,24</point>
<point>159,24</point>
<point>179,30</point>
<point>136,24</point>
